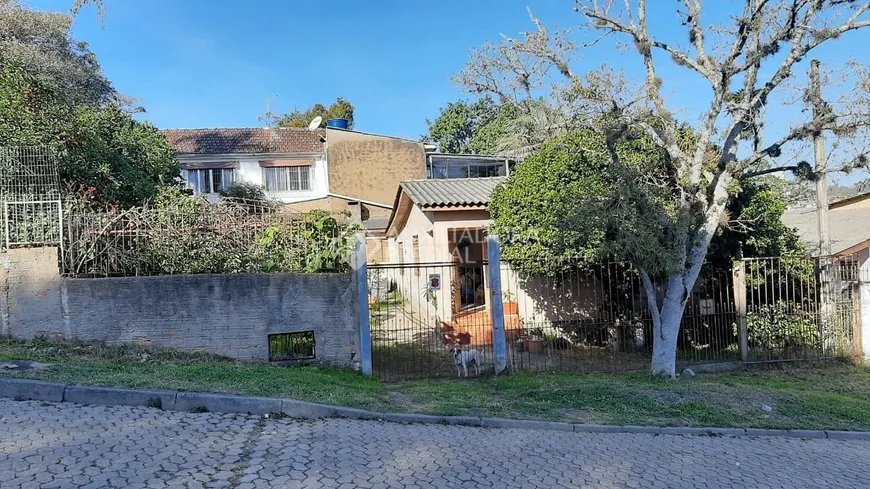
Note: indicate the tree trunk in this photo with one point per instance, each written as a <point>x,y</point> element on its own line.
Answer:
<point>668,316</point>
<point>664,358</point>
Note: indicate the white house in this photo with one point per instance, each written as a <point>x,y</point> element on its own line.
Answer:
<point>289,163</point>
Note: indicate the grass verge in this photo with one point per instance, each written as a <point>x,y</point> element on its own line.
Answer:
<point>829,396</point>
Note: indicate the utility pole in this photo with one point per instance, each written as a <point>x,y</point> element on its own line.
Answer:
<point>826,294</point>
<point>821,170</point>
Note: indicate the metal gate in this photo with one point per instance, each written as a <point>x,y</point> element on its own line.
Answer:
<point>31,212</point>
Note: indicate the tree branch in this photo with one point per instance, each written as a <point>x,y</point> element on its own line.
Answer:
<point>799,49</point>
<point>768,171</point>
<point>652,302</point>
<point>696,33</point>
<point>603,21</point>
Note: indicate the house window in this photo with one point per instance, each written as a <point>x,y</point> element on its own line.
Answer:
<point>415,249</point>
<point>291,346</point>
<point>287,178</point>
<point>460,167</point>
<point>401,247</point>
<point>210,180</point>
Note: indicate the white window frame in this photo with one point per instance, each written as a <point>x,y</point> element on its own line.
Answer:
<point>303,185</point>
<point>194,175</point>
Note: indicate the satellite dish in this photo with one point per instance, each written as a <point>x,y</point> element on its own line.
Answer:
<point>315,123</point>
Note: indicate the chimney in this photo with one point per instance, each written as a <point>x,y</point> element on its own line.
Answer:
<point>355,209</point>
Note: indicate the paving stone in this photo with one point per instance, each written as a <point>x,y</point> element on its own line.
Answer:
<point>69,445</point>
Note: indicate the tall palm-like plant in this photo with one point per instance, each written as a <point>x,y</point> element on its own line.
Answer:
<point>536,122</point>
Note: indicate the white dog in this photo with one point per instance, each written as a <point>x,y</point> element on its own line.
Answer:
<point>463,358</point>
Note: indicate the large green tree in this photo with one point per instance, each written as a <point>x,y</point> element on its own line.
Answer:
<point>41,43</point>
<point>467,127</point>
<point>340,109</point>
<point>102,150</point>
<point>739,58</point>
<point>551,207</point>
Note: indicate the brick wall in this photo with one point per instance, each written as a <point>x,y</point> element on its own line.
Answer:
<point>228,315</point>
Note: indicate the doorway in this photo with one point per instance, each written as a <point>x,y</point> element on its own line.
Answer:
<point>468,249</point>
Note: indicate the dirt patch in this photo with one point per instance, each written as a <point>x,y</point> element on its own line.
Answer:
<point>739,401</point>
<point>580,415</point>
<point>665,397</point>
<point>406,401</point>
<point>742,401</point>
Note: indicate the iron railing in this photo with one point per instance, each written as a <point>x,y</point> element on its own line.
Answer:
<point>572,315</point>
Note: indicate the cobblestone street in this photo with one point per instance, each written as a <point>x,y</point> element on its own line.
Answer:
<point>70,446</point>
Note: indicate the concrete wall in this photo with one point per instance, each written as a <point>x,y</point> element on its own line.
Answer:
<point>864,300</point>
<point>224,314</point>
<point>370,167</point>
<point>337,205</point>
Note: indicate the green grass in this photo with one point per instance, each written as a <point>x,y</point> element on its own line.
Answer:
<point>125,366</point>
<point>836,396</point>
<point>822,396</point>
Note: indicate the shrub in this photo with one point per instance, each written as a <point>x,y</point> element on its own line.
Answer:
<point>779,327</point>
<point>183,234</point>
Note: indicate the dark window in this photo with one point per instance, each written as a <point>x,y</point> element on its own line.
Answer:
<point>291,346</point>
<point>465,167</point>
<point>210,180</point>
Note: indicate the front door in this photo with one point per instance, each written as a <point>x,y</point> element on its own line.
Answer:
<point>469,250</point>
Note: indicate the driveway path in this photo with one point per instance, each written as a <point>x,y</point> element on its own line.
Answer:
<point>65,445</point>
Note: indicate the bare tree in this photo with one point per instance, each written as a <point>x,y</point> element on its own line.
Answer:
<point>742,62</point>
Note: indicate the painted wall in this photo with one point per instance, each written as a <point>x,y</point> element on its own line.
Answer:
<point>249,171</point>
<point>541,301</point>
<point>337,205</point>
<point>370,167</point>
<point>864,297</point>
<point>228,315</point>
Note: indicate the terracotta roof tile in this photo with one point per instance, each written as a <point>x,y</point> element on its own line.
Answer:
<point>245,140</point>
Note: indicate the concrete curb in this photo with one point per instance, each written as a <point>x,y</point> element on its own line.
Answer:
<point>26,389</point>
<point>110,396</point>
<point>35,390</point>
<point>224,403</point>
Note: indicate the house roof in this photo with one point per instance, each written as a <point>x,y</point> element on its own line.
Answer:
<point>438,194</point>
<point>458,192</point>
<point>850,201</point>
<point>849,228</point>
<point>245,140</point>
<point>376,223</point>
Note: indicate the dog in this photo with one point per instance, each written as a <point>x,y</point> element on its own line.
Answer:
<point>463,358</point>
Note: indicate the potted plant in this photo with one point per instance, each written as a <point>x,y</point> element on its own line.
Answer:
<point>534,341</point>
<point>510,306</point>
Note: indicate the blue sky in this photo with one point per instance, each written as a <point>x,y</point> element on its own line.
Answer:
<point>214,63</point>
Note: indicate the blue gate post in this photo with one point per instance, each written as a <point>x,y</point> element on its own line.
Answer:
<point>499,340</point>
<point>362,292</point>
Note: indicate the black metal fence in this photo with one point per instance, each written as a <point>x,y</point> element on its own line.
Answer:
<point>410,320</point>
<point>801,308</point>
<point>572,315</point>
<point>576,316</point>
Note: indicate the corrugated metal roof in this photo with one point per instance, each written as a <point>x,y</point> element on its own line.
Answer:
<point>848,227</point>
<point>374,223</point>
<point>456,192</point>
